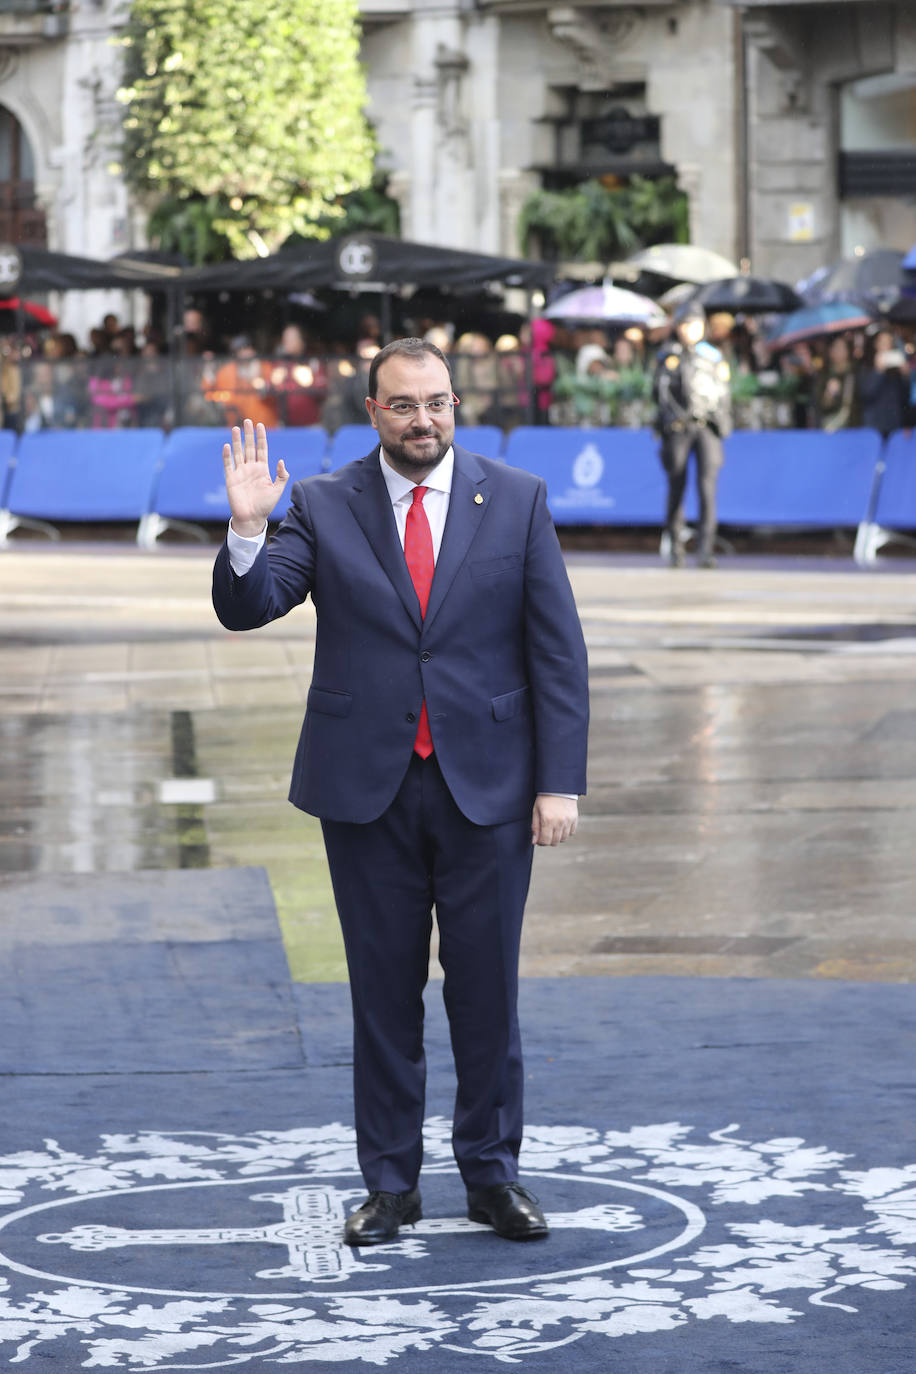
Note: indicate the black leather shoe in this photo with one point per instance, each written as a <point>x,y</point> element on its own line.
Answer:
<point>510,1209</point>
<point>378,1219</point>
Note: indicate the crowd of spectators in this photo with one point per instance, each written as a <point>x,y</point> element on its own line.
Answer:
<point>543,373</point>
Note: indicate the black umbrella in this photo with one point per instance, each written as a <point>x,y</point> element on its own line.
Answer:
<point>895,307</point>
<point>746,296</point>
<point>875,279</point>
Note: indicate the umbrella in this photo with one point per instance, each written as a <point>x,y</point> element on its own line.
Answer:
<point>675,296</point>
<point>607,305</point>
<point>896,307</point>
<point>31,309</point>
<point>682,262</point>
<point>747,295</point>
<point>816,321</point>
<point>873,278</point>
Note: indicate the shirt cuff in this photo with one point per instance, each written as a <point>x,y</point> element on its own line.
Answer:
<point>570,796</point>
<point>242,551</point>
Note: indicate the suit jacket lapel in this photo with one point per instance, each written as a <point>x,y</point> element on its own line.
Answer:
<point>371,507</point>
<point>465,513</point>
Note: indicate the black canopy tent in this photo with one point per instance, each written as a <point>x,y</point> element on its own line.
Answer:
<point>356,263</point>
<point>368,261</point>
<point>25,268</point>
<point>28,268</point>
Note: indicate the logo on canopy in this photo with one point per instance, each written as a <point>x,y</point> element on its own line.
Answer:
<point>10,268</point>
<point>356,258</point>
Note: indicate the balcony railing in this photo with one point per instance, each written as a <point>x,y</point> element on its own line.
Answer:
<point>21,220</point>
<point>27,22</point>
<point>33,7</point>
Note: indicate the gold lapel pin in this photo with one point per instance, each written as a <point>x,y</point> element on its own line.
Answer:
<point>478,500</point>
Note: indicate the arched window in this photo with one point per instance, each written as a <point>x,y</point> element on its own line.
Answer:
<point>21,221</point>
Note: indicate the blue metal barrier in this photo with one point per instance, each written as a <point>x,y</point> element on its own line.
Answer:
<point>595,476</point>
<point>349,442</point>
<point>771,478</point>
<point>797,478</point>
<point>487,440</point>
<point>7,463</point>
<point>190,486</point>
<point>80,475</point>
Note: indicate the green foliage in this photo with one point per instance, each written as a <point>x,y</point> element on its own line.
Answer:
<point>591,223</point>
<point>611,391</point>
<point>186,225</point>
<point>744,386</point>
<point>368,210</point>
<point>252,114</point>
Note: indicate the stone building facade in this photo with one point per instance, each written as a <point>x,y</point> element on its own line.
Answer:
<point>790,125</point>
<point>830,121</point>
<point>59,137</point>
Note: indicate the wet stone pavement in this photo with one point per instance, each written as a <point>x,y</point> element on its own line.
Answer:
<point>753,758</point>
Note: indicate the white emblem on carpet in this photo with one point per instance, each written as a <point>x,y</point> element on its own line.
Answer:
<point>195,1250</point>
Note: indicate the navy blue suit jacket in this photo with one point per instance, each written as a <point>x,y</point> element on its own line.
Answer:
<point>499,657</point>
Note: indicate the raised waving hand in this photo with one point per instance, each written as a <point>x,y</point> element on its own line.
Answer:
<point>251,490</point>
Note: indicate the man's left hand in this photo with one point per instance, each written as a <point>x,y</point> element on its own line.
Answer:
<point>554,819</point>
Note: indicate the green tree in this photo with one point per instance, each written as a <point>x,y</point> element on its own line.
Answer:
<point>246,118</point>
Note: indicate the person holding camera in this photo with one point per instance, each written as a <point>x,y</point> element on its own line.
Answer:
<point>884,386</point>
<point>692,392</point>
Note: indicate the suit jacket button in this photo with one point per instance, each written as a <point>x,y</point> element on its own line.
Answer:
<point>411,717</point>
<point>425,656</point>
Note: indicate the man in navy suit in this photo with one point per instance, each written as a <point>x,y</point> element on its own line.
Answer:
<point>445,734</point>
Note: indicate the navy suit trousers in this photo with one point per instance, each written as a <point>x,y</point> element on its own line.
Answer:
<point>389,875</point>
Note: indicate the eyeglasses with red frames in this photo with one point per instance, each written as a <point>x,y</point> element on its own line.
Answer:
<point>405,410</point>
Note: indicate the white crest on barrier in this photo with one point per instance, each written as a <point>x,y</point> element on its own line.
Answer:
<point>72,1222</point>
<point>588,467</point>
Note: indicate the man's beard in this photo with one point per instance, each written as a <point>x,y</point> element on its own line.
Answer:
<point>409,456</point>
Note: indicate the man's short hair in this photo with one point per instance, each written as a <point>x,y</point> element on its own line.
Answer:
<point>416,349</point>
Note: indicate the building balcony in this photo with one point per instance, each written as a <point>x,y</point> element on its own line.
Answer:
<point>21,219</point>
<point>26,22</point>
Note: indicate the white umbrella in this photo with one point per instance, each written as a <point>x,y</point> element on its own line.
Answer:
<point>607,305</point>
<point>680,262</point>
<point>676,295</point>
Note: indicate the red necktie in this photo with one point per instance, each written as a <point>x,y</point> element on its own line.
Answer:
<point>418,550</point>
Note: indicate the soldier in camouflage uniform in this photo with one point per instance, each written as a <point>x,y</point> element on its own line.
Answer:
<point>692,390</point>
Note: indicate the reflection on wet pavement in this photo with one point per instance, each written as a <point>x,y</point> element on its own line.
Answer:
<point>753,760</point>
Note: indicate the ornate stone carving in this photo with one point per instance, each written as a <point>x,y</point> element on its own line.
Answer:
<point>9,62</point>
<point>779,41</point>
<point>451,67</point>
<point>595,37</point>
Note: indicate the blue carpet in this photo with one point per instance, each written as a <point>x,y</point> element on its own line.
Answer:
<point>133,972</point>
<point>729,1167</point>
